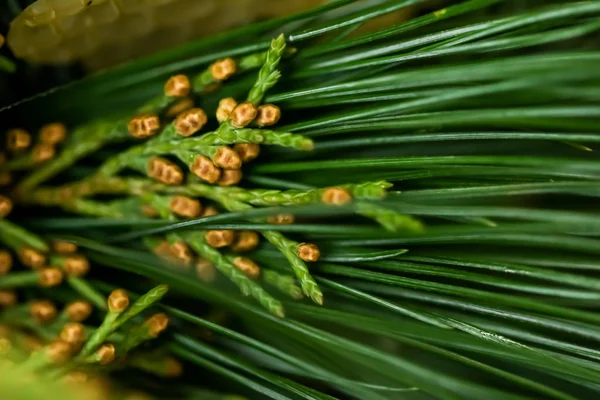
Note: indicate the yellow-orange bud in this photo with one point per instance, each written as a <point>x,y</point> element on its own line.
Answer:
<point>156,324</point>
<point>226,106</point>
<point>184,206</point>
<point>219,238</point>
<point>309,252</point>
<point>74,334</point>
<point>53,133</point>
<point>336,196</point>
<point>243,114</point>
<point>190,121</point>
<point>205,169</point>
<point>209,211</point>
<point>58,351</point>
<point>6,262</point>
<point>5,206</point>
<point>226,158</point>
<point>179,106</point>
<point>246,241</point>
<point>76,265</point>
<point>178,86</point>
<point>118,300</point>
<point>31,257</point>
<point>205,270</point>
<point>144,126</point>
<point>281,219</point>
<point>182,252</point>
<point>230,177</point>
<point>42,311</point>
<point>247,151</point>
<point>79,311</point>
<point>267,115</point>
<point>164,171</point>
<point>62,247</point>
<point>223,69</point>
<point>106,353</point>
<point>17,140</point>
<point>42,152</point>
<point>247,266</point>
<point>50,277</point>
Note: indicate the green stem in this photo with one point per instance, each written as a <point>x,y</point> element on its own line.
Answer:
<point>246,285</point>
<point>20,280</point>
<point>16,237</point>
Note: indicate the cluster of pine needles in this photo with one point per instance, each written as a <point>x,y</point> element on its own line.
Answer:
<point>323,213</point>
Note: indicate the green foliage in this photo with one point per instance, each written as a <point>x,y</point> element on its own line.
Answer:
<point>475,277</point>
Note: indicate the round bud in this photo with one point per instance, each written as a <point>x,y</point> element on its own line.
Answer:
<point>184,206</point>
<point>50,277</point>
<point>156,324</point>
<point>247,266</point>
<point>247,151</point>
<point>223,69</point>
<point>226,158</point>
<point>230,177</point>
<point>179,106</point>
<point>17,140</point>
<point>79,311</point>
<point>106,353</point>
<point>118,300</point>
<point>144,126</point>
<point>226,106</point>
<point>205,270</point>
<point>204,169</point>
<point>5,206</point>
<point>42,152</point>
<point>210,211</point>
<point>243,114</point>
<point>58,352</point>
<point>53,133</point>
<point>246,241</point>
<point>163,250</point>
<point>182,252</point>
<point>190,122</point>
<point>336,196</point>
<point>62,247</point>
<point>6,262</point>
<point>42,311</point>
<point>281,219</point>
<point>74,334</point>
<point>268,115</point>
<point>164,171</point>
<point>31,257</point>
<point>308,252</point>
<point>8,298</point>
<point>76,265</point>
<point>178,86</point>
<point>219,238</point>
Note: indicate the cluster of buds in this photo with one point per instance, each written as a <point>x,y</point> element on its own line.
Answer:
<point>18,140</point>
